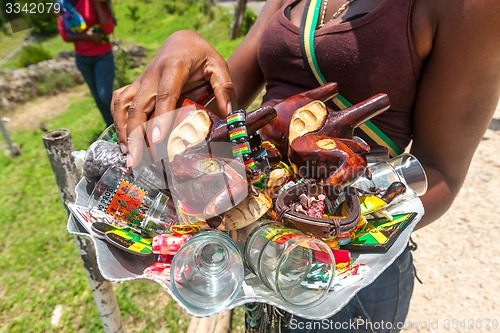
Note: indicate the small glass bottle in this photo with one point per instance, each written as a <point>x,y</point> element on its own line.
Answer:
<point>404,168</point>
<point>207,272</point>
<point>300,269</point>
<point>118,194</point>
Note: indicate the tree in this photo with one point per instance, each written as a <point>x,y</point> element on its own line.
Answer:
<point>238,18</point>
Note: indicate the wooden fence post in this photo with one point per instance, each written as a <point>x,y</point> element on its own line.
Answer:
<point>239,14</point>
<point>220,323</point>
<point>13,151</point>
<point>59,146</point>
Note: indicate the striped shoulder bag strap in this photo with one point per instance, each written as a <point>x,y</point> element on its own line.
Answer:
<point>307,29</point>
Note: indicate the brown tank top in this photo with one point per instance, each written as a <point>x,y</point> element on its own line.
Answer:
<point>369,55</point>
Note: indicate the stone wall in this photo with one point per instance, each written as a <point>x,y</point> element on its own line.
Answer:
<point>20,85</point>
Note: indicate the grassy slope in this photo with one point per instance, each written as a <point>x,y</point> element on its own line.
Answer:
<point>40,266</point>
<point>10,42</point>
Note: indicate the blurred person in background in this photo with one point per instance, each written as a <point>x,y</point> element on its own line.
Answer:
<point>87,24</point>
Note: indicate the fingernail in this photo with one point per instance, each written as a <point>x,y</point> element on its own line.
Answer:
<point>155,135</point>
<point>130,161</point>
<point>123,148</point>
<point>229,107</point>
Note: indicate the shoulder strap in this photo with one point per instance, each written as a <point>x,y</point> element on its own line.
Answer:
<point>307,29</point>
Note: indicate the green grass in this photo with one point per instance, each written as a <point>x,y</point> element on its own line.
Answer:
<point>40,266</point>
<point>55,82</point>
<point>11,42</point>
<point>53,44</point>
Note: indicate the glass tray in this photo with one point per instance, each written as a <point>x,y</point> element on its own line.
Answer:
<point>119,266</point>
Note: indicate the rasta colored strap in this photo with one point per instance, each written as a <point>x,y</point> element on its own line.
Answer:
<point>242,147</point>
<point>307,29</point>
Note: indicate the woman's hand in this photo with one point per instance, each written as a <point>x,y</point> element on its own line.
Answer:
<point>92,36</point>
<point>87,35</point>
<point>184,57</point>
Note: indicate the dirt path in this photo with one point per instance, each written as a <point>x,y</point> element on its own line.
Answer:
<point>33,113</point>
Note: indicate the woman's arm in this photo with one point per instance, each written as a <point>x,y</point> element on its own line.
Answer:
<point>457,96</point>
<point>71,38</point>
<point>103,17</point>
<point>62,31</point>
<point>87,35</point>
<point>243,64</point>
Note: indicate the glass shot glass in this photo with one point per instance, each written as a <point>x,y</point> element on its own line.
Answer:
<point>300,269</point>
<point>117,194</point>
<point>404,168</point>
<point>207,272</point>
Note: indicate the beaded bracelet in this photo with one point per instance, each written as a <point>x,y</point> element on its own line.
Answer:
<point>238,135</point>
<point>260,161</point>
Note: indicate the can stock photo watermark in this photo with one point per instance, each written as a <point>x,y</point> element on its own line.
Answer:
<point>22,14</point>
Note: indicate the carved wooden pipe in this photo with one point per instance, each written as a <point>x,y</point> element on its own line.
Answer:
<point>277,130</point>
<point>196,124</point>
<point>255,120</point>
<point>315,117</point>
<point>188,101</point>
<point>341,124</point>
<point>201,94</point>
<point>337,161</point>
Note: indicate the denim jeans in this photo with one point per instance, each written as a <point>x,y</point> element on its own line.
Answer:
<point>380,307</point>
<point>99,74</point>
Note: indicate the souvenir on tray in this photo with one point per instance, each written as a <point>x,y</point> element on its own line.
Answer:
<point>321,225</point>
<point>379,234</point>
<point>118,266</point>
<point>301,181</point>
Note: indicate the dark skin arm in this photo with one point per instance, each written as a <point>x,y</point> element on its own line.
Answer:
<point>87,35</point>
<point>458,92</point>
<point>101,15</point>
<point>159,88</point>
